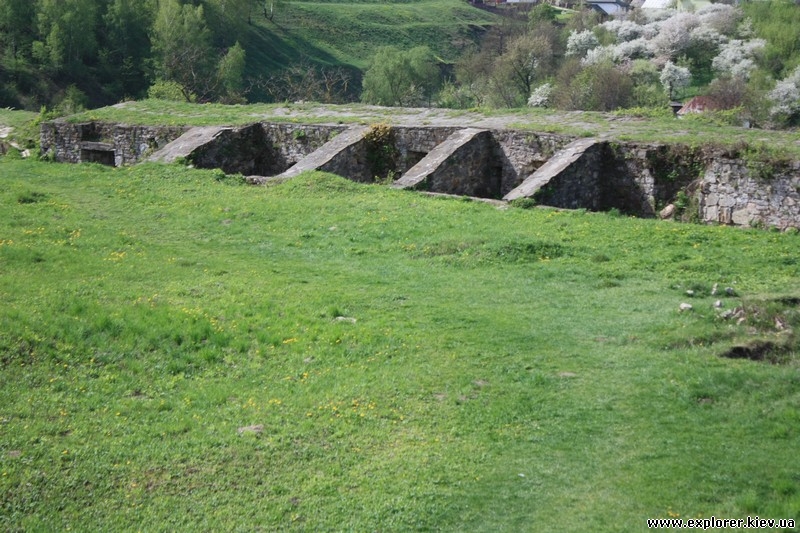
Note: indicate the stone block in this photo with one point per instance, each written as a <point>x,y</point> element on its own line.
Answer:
<point>741,217</point>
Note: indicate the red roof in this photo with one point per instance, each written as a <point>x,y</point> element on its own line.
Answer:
<point>698,104</point>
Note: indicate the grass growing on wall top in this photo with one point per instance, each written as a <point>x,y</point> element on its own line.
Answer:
<point>621,125</point>
<point>178,350</point>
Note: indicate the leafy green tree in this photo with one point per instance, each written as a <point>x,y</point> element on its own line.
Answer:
<point>230,73</point>
<point>125,47</point>
<point>66,31</point>
<point>597,87</point>
<point>168,90</point>
<point>401,78</point>
<point>542,12</point>
<point>16,27</point>
<point>647,88</point>
<point>228,20</point>
<point>521,64</point>
<point>778,22</point>
<point>182,48</point>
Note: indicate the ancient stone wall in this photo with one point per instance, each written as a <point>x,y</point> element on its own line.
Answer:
<point>735,192</point>
<point>77,143</point>
<point>636,178</point>
<point>641,178</point>
<point>291,142</point>
<point>463,164</point>
<point>579,185</point>
<point>520,153</point>
<point>413,144</point>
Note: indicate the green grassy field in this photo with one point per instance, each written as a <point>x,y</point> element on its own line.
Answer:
<point>183,352</point>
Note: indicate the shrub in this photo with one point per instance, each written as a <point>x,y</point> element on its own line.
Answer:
<point>540,97</point>
<point>169,90</point>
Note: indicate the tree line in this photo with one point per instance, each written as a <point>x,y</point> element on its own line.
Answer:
<point>77,52</point>
<point>80,53</point>
<point>745,59</point>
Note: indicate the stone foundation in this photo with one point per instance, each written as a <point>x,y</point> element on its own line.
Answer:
<point>635,178</point>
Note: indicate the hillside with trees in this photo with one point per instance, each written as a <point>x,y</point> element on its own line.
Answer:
<point>741,58</point>
<point>75,54</point>
<point>72,54</point>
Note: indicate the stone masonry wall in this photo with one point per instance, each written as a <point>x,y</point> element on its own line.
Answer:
<point>291,142</point>
<point>733,193</point>
<point>414,143</point>
<point>641,178</point>
<point>520,153</point>
<point>66,142</point>
<point>638,178</point>
<point>579,185</point>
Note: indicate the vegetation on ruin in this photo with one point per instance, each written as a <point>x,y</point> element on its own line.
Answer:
<point>624,125</point>
<point>181,351</point>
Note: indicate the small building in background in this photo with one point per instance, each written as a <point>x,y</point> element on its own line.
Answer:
<point>698,104</point>
<point>608,8</point>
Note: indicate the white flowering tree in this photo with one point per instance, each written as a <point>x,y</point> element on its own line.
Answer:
<point>624,30</point>
<point>540,97</point>
<point>580,42</point>
<point>674,78</point>
<point>723,18</point>
<point>785,98</point>
<point>736,58</point>
<point>599,55</point>
<point>674,35</point>
<point>630,50</point>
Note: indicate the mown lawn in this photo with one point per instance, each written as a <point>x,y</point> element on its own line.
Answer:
<point>183,352</point>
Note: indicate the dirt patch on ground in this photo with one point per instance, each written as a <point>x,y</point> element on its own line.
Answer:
<point>755,351</point>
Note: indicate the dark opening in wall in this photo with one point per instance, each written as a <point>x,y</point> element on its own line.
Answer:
<point>413,158</point>
<point>494,182</point>
<point>104,157</point>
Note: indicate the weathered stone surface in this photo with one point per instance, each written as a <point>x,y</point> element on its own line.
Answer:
<point>667,212</point>
<point>632,177</point>
<point>557,165</point>
<point>186,144</point>
<point>64,141</point>
<point>344,154</point>
<point>460,165</point>
<point>741,217</point>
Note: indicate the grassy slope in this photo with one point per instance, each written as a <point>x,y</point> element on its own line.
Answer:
<point>499,370</point>
<point>15,118</point>
<point>347,33</point>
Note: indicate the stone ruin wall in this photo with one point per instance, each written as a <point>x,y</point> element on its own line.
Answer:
<point>87,142</point>
<point>636,178</point>
<point>722,187</point>
<point>734,192</point>
<point>262,149</point>
<point>521,153</point>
